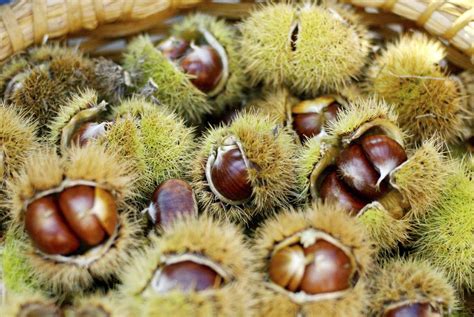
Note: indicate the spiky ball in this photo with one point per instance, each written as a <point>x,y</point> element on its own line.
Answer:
<point>306,47</point>
<point>409,282</point>
<point>446,236</point>
<point>324,222</point>
<point>219,245</point>
<point>427,100</point>
<point>99,305</point>
<point>268,152</point>
<point>29,303</point>
<point>45,174</point>
<point>153,140</point>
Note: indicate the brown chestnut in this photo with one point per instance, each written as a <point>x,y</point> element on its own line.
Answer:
<point>287,266</point>
<point>310,116</point>
<point>330,270</point>
<point>47,228</point>
<point>205,67</point>
<point>335,190</point>
<point>78,216</point>
<point>412,310</point>
<point>384,153</point>
<point>173,48</point>
<point>187,276</point>
<point>227,173</point>
<point>87,132</point>
<point>39,310</point>
<point>174,198</point>
<point>357,171</point>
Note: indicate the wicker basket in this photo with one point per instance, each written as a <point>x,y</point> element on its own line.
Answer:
<point>102,26</point>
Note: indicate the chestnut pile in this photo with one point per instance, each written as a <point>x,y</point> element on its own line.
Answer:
<point>259,168</point>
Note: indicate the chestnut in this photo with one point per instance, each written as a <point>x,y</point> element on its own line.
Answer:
<point>78,216</point>
<point>310,116</point>
<point>40,310</point>
<point>173,48</point>
<point>319,268</point>
<point>227,173</point>
<point>335,190</point>
<point>205,67</point>
<point>89,131</point>
<point>187,276</point>
<point>412,310</point>
<point>172,199</point>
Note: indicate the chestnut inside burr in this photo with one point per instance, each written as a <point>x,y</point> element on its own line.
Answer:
<point>92,312</point>
<point>173,48</point>
<point>310,116</point>
<point>314,268</point>
<point>227,172</point>
<point>187,276</point>
<point>294,36</point>
<point>361,171</point>
<point>413,310</point>
<point>87,132</point>
<point>171,200</point>
<point>39,310</point>
<point>72,221</point>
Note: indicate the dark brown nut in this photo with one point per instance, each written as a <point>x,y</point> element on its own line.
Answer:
<point>87,132</point>
<point>229,175</point>
<point>384,153</point>
<point>334,190</point>
<point>47,228</point>
<point>357,171</point>
<point>307,125</point>
<point>330,270</point>
<point>174,198</point>
<point>187,276</point>
<point>412,310</point>
<point>205,67</point>
<point>287,267</point>
<point>173,48</point>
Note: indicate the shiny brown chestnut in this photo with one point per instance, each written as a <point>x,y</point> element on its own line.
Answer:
<point>334,190</point>
<point>205,67</point>
<point>227,173</point>
<point>319,268</point>
<point>173,48</point>
<point>78,216</point>
<point>87,132</point>
<point>187,276</point>
<point>310,116</point>
<point>172,199</point>
<point>413,310</point>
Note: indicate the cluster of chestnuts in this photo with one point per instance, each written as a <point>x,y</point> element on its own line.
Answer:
<point>264,168</point>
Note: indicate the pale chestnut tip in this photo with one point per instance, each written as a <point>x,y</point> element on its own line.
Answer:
<point>173,48</point>
<point>413,310</point>
<point>227,172</point>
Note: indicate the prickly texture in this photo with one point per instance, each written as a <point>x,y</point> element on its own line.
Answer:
<point>48,85</point>
<point>16,270</point>
<point>428,101</point>
<point>222,243</point>
<point>227,37</point>
<point>145,62</point>
<point>78,102</point>
<point>333,221</point>
<point>422,178</point>
<point>446,233</point>
<point>276,103</point>
<point>266,145</point>
<point>409,280</point>
<point>330,48</point>
<point>155,141</point>
<point>110,80</point>
<point>385,231</point>
<point>358,112</point>
<point>100,305</point>
<point>14,302</point>
<point>11,68</point>
<point>467,90</point>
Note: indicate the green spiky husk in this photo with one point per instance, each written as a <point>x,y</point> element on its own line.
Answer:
<point>328,219</point>
<point>426,98</point>
<point>100,305</point>
<point>222,243</point>
<point>14,303</point>
<point>268,146</point>
<point>145,62</point>
<point>153,140</point>
<point>324,62</point>
<point>446,233</point>
<point>275,103</point>
<point>409,280</point>
<point>227,36</point>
